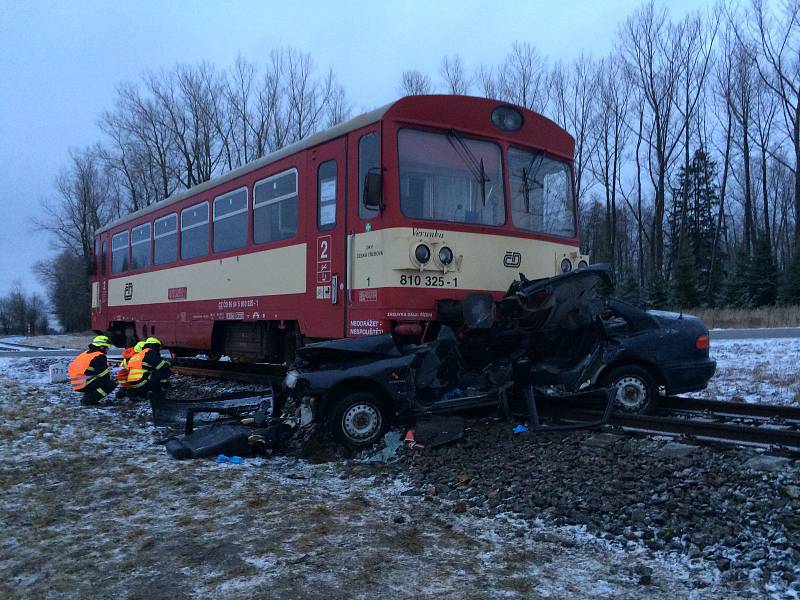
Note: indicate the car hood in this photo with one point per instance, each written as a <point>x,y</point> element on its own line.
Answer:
<point>569,301</point>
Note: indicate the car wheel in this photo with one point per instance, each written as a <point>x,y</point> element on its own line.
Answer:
<point>359,419</point>
<point>635,390</point>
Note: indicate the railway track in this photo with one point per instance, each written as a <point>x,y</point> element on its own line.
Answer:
<point>679,404</point>
<point>763,433</point>
<point>713,420</point>
<point>261,373</point>
<point>691,418</point>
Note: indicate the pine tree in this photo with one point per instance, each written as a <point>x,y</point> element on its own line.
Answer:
<point>762,281</point>
<point>657,292</point>
<point>695,220</point>
<point>684,280</point>
<point>790,292</point>
<point>629,290</point>
<point>737,285</point>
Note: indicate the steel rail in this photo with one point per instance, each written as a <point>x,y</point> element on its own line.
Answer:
<point>247,373</point>
<point>705,429</point>
<point>679,403</point>
<point>725,432</point>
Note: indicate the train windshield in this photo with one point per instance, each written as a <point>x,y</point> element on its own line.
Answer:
<point>445,177</point>
<point>541,193</point>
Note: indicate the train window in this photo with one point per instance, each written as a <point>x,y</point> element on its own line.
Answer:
<point>165,239</point>
<point>275,208</point>
<point>194,231</point>
<point>541,193</point>
<point>326,195</point>
<point>446,177</point>
<point>119,253</point>
<point>369,157</point>
<point>230,221</point>
<point>103,257</point>
<point>140,246</point>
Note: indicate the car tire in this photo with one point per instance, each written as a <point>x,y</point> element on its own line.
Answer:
<point>635,389</point>
<point>358,419</point>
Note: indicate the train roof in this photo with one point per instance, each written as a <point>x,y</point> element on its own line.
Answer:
<point>543,124</point>
<point>312,140</point>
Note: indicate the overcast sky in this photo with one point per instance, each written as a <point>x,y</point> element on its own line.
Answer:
<point>60,62</point>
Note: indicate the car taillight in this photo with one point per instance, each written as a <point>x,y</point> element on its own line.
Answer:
<point>702,342</point>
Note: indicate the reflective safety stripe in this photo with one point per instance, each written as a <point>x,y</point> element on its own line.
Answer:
<point>136,370</point>
<point>161,364</point>
<point>78,368</point>
<point>101,392</point>
<point>122,373</point>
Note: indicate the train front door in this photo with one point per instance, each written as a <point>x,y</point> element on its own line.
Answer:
<point>327,247</point>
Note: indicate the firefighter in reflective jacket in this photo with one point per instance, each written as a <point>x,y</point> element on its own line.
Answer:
<point>89,372</point>
<point>147,371</point>
<point>122,372</point>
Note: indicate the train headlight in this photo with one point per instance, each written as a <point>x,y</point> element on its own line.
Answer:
<point>583,264</point>
<point>445,255</point>
<point>566,265</point>
<point>422,253</point>
<point>507,118</point>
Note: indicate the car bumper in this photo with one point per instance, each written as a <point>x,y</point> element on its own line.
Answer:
<point>688,376</point>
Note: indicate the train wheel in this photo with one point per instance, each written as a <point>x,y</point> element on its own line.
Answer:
<point>359,419</point>
<point>635,390</point>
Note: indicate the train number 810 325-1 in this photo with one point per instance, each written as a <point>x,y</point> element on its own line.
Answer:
<point>428,281</point>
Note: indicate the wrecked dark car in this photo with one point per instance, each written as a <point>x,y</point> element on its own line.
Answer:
<point>655,349</point>
<point>545,337</point>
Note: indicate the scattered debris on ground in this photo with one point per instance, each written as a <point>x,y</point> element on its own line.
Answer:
<point>93,505</point>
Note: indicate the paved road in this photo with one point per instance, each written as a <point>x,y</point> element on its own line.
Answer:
<point>751,334</point>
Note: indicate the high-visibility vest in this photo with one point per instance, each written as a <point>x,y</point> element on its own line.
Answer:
<point>78,367</point>
<point>136,371</point>
<point>122,373</point>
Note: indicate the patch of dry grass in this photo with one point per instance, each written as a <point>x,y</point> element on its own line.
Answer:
<point>747,318</point>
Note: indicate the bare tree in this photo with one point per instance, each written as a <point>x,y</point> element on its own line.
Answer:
<point>575,90</point>
<point>651,48</point>
<point>610,139</point>
<point>523,78</point>
<point>337,107</point>
<point>307,97</point>
<point>456,81</point>
<point>486,82</point>
<point>779,69</point>
<point>81,205</point>
<point>740,93</point>
<point>64,277</point>
<point>765,110</point>
<point>697,42</point>
<point>141,136</point>
<point>240,144</point>
<point>415,83</point>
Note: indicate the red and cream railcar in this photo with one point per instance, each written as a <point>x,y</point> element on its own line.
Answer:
<point>350,232</point>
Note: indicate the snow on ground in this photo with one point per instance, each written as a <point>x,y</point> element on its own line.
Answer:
<point>53,342</point>
<point>92,506</point>
<point>756,370</point>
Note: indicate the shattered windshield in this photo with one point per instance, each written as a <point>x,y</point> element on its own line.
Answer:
<point>445,177</point>
<point>541,193</point>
